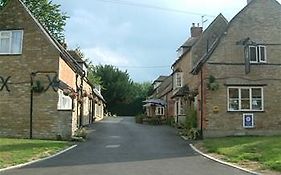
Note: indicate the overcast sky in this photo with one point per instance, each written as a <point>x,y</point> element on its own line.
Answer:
<point>139,36</point>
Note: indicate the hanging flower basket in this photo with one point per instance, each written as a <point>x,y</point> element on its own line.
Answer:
<point>38,87</point>
<point>91,97</point>
<point>67,92</point>
<point>85,94</point>
<point>73,95</point>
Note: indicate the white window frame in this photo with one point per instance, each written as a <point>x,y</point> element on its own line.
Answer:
<point>159,110</point>
<point>179,107</point>
<point>61,98</point>
<point>176,77</point>
<point>253,121</point>
<point>10,44</point>
<point>250,98</point>
<point>258,54</point>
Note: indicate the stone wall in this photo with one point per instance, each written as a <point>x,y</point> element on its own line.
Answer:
<point>260,21</point>
<point>38,54</point>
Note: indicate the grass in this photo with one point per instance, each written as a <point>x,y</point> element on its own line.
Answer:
<point>17,151</point>
<point>264,150</point>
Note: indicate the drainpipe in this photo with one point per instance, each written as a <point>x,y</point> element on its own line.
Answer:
<point>92,106</point>
<point>32,75</point>
<point>77,104</point>
<point>201,103</point>
<point>82,104</point>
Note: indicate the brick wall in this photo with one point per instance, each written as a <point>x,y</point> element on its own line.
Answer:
<point>261,22</point>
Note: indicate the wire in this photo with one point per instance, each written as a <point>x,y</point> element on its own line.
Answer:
<point>143,67</point>
<point>153,7</point>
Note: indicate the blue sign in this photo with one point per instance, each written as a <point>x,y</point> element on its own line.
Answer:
<point>248,120</point>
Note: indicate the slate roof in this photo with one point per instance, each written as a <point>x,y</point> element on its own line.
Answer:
<point>165,87</point>
<point>161,78</point>
<point>208,41</point>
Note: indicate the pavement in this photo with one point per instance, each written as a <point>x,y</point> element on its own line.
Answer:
<point>119,146</point>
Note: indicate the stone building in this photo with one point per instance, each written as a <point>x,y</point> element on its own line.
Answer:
<point>44,91</point>
<point>186,85</point>
<point>240,75</point>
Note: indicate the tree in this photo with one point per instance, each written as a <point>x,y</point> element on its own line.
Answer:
<point>116,85</point>
<point>49,15</point>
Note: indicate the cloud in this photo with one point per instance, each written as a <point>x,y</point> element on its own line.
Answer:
<point>96,29</point>
<point>99,55</point>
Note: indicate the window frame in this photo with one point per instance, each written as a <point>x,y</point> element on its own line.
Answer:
<point>178,74</point>
<point>61,107</point>
<point>11,42</point>
<point>159,110</point>
<point>258,54</point>
<point>250,98</point>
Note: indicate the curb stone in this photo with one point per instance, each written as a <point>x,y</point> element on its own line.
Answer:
<point>39,160</point>
<point>223,162</point>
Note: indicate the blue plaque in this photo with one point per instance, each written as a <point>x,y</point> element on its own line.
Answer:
<point>248,120</point>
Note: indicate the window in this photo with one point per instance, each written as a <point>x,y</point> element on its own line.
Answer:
<point>245,99</point>
<point>179,107</point>
<point>65,102</point>
<point>159,111</point>
<point>178,79</point>
<point>11,42</point>
<point>257,54</point>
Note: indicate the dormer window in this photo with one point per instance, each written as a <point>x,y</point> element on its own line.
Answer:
<point>11,42</point>
<point>257,54</point>
<point>178,79</point>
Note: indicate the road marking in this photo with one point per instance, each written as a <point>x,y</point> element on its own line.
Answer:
<point>115,137</point>
<point>112,146</point>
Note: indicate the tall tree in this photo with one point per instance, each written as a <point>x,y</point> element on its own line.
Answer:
<point>49,15</point>
<point>117,85</point>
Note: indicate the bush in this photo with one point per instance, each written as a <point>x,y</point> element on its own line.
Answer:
<point>139,118</point>
<point>191,119</point>
<point>193,134</point>
<point>154,121</point>
<point>170,121</point>
<point>190,125</point>
<point>81,132</point>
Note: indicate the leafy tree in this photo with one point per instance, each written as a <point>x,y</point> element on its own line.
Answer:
<point>123,96</point>
<point>49,15</point>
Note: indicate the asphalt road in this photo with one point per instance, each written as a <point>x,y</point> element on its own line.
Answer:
<point>118,146</point>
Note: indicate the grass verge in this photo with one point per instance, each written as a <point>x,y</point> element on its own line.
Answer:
<point>264,150</point>
<point>18,151</point>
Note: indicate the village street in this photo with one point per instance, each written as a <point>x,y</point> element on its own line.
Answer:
<point>118,146</point>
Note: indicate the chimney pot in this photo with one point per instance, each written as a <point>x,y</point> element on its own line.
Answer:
<point>196,31</point>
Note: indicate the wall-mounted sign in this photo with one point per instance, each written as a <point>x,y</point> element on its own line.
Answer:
<point>248,121</point>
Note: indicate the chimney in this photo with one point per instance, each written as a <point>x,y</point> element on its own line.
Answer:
<point>196,30</point>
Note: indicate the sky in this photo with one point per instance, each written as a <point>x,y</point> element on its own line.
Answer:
<point>138,36</point>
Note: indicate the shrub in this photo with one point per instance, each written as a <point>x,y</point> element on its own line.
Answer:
<point>139,118</point>
<point>190,125</point>
<point>191,119</point>
<point>81,132</point>
<point>170,121</point>
<point>193,134</point>
<point>154,121</point>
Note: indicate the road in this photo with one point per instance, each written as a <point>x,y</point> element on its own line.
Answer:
<point>118,146</point>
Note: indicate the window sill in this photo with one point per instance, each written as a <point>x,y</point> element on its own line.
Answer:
<point>6,54</point>
<point>64,109</point>
<point>247,111</point>
<point>259,63</point>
